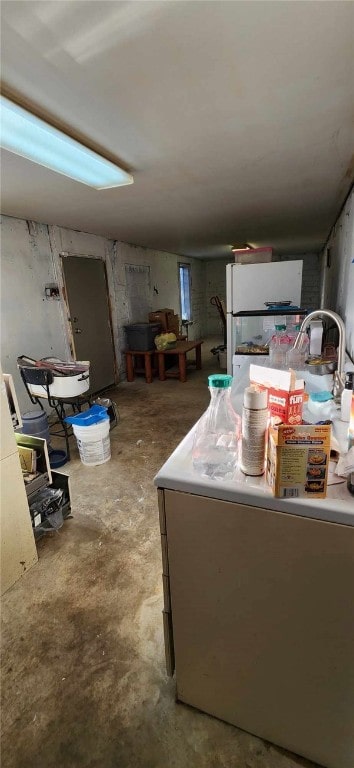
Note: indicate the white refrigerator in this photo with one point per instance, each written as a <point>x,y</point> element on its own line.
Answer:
<point>250,286</point>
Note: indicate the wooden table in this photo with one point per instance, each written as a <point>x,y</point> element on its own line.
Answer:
<point>148,359</point>
<point>181,349</point>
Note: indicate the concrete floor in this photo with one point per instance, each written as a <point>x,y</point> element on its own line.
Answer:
<point>84,682</point>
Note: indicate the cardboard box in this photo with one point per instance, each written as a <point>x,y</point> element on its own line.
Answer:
<point>28,459</point>
<point>173,324</point>
<point>254,256</point>
<point>168,320</point>
<point>285,393</point>
<point>161,316</point>
<point>298,460</point>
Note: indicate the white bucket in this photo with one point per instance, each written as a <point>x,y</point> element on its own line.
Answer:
<point>93,443</point>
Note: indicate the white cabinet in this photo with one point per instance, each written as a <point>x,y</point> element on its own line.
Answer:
<point>18,548</point>
<point>259,621</point>
<point>7,443</point>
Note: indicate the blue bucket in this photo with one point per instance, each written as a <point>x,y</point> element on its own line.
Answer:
<point>35,423</point>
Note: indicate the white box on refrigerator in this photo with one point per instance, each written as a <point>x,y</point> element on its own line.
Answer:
<point>254,256</point>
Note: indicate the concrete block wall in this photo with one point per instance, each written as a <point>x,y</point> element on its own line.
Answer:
<point>311,278</point>
<point>38,327</point>
<point>160,290</point>
<point>338,271</point>
<point>215,285</point>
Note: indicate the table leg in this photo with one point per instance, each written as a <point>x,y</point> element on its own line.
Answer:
<point>148,371</point>
<point>161,363</point>
<point>130,366</point>
<point>198,357</point>
<point>182,366</point>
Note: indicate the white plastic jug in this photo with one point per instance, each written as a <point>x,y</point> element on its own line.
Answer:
<point>278,347</point>
<point>215,449</point>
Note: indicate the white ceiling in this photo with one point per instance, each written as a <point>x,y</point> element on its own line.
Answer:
<point>235,118</point>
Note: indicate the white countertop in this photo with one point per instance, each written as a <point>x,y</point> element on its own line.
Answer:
<point>177,474</point>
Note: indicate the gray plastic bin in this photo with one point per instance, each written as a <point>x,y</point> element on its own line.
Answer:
<point>140,336</point>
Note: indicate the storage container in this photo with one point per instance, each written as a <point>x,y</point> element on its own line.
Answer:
<point>93,443</point>
<point>253,255</point>
<point>63,386</point>
<point>253,330</point>
<point>36,423</point>
<point>62,378</point>
<point>91,429</point>
<point>140,336</point>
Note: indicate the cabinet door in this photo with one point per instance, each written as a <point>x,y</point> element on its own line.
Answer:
<point>7,441</point>
<point>18,548</point>
<point>263,622</point>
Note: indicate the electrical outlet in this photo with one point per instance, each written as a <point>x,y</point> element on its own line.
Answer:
<point>52,291</point>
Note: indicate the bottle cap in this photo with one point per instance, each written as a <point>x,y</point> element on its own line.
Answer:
<point>280,327</point>
<point>254,399</point>
<point>220,380</point>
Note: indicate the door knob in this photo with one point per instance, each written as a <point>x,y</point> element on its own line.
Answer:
<point>77,330</point>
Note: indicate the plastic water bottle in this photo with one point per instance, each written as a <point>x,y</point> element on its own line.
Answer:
<point>215,450</point>
<point>278,347</point>
<point>292,332</point>
<point>347,394</point>
<point>296,358</point>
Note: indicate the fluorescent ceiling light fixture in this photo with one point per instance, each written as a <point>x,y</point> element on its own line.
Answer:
<point>26,135</point>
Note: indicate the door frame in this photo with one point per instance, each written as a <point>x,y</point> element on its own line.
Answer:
<point>70,335</point>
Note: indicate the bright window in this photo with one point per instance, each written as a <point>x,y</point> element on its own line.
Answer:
<point>184,271</point>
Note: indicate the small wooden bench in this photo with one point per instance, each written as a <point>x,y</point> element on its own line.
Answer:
<point>181,349</point>
<point>147,367</point>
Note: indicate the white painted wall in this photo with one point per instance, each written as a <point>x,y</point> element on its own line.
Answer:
<point>338,271</point>
<point>30,324</point>
<point>35,326</point>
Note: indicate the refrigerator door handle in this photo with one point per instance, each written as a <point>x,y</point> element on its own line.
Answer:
<point>229,307</point>
<point>230,348</point>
